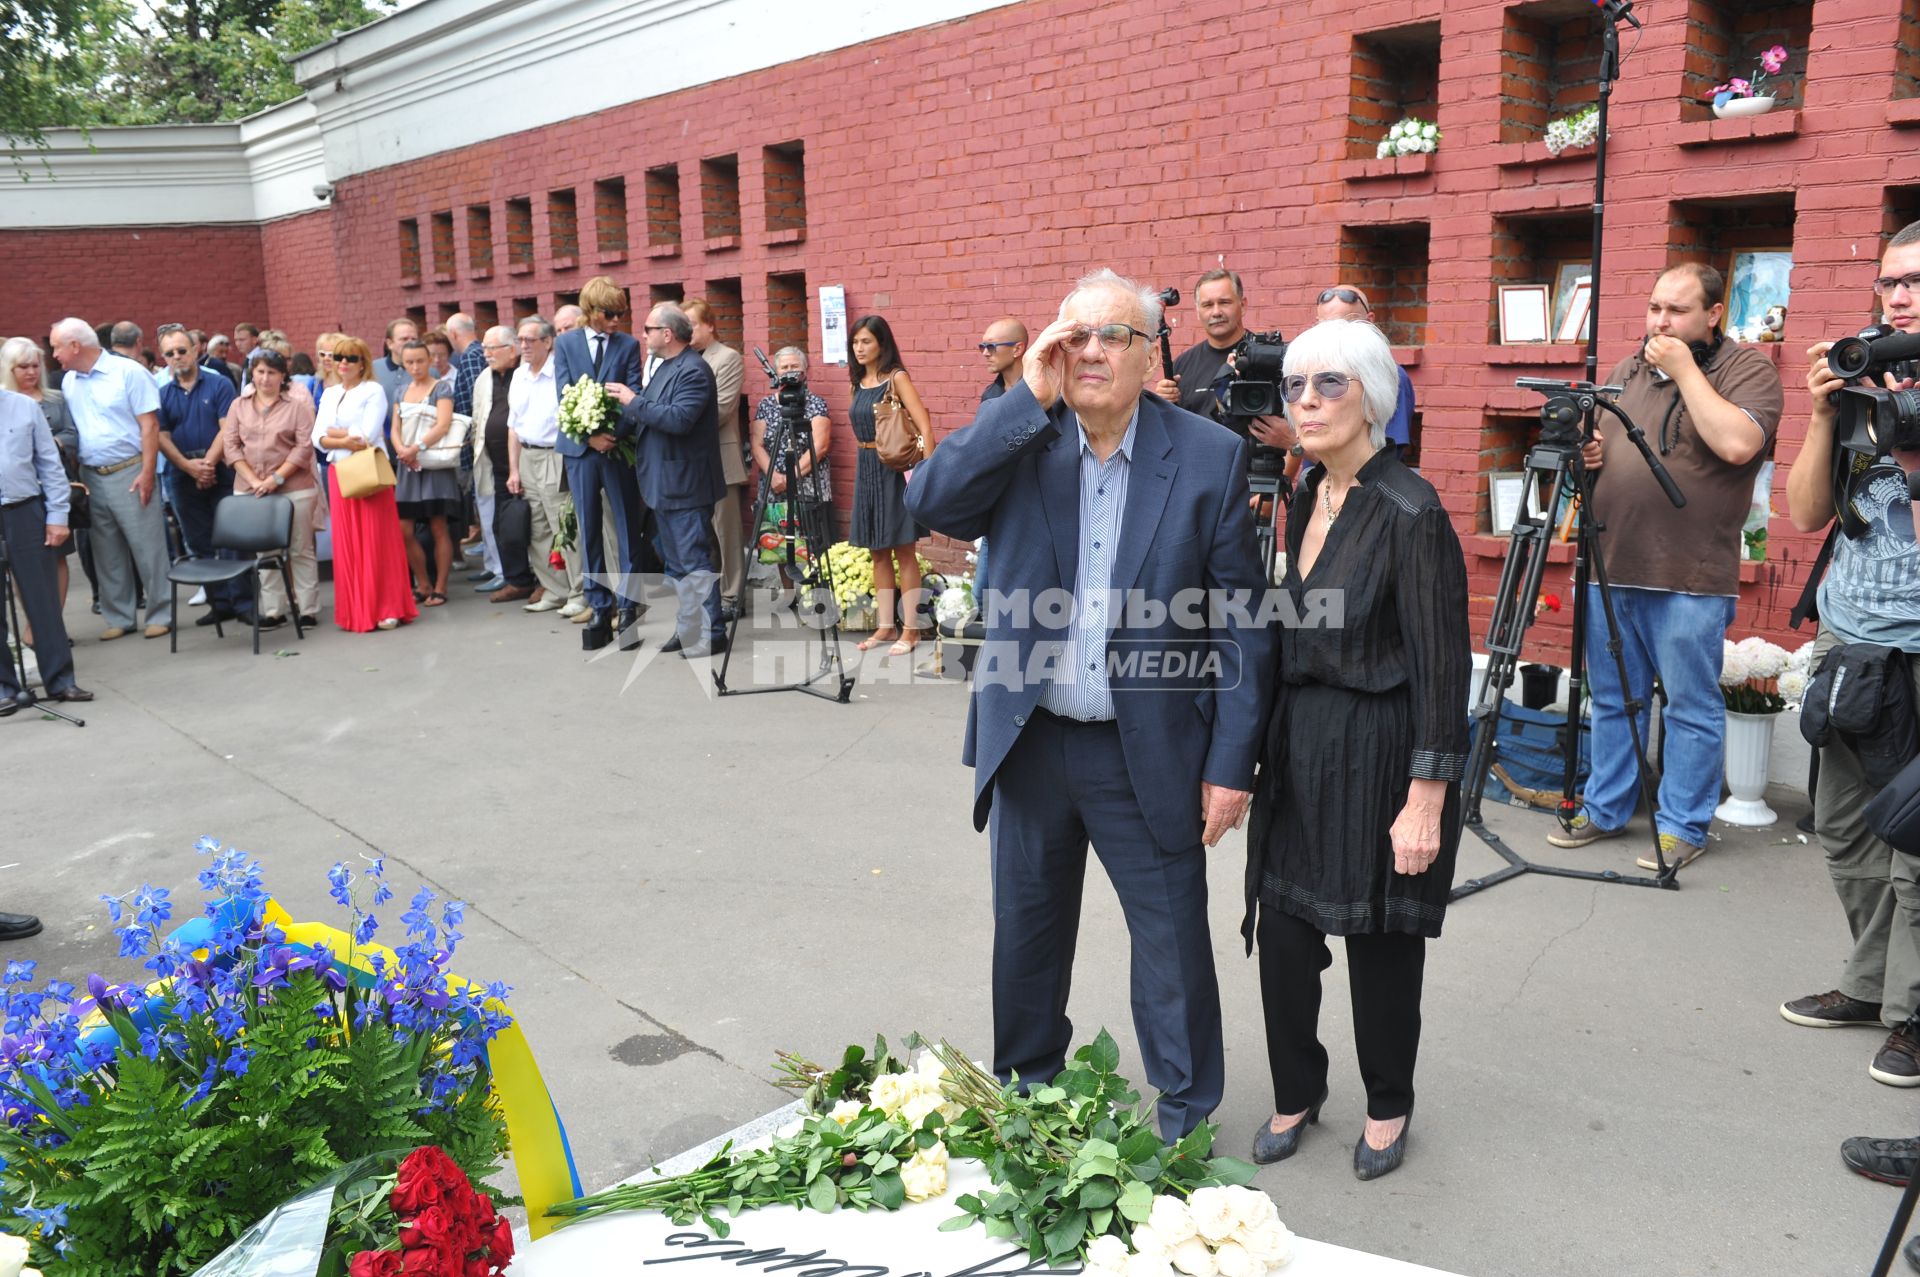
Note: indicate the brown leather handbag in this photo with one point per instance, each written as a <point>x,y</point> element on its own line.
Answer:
<point>895,436</point>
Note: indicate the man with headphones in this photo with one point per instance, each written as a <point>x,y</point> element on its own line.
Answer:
<point>1711,407</point>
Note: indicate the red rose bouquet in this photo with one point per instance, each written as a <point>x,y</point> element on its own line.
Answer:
<point>443,1226</point>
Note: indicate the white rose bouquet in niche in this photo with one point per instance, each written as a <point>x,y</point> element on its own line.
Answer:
<point>1223,1231</point>
<point>1582,128</point>
<point>1410,137</point>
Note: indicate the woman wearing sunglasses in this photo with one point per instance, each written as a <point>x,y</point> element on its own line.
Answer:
<point>370,586</point>
<point>1355,818</point>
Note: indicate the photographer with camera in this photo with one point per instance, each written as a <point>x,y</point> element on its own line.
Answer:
<point>1222,304</point>
<point>1711,406</point>
<point>1869,594</point>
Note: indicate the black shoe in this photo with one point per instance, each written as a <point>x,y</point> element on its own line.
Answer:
<point>1889,1161</point>
<point>1897,1062</point>
<point>672,645</point>
<point>729,613</point>
<point>711,648</point>
<point>216,616</point>
<point>75,694</point>
<point>1831,1010</point>
<point>11,705</point>
<point>18,926</point>
<point>1371,1163</point>
<point>96,607</point>
<point>272,622</point>
<point>1805,823</point>
<point>628,629</point>
<point>309,622</point>
<point>1269,1147</point>
<point>599,632</point>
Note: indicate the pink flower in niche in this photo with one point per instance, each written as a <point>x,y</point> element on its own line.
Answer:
<point>1774,60</point>
<point>1740,88</point>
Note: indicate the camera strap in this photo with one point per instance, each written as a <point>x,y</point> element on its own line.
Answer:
<point>1809,604</point>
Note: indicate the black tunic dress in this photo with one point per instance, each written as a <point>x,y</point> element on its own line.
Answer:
<point>1367,701</point>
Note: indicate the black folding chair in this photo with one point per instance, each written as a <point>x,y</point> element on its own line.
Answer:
<point>261,530</point>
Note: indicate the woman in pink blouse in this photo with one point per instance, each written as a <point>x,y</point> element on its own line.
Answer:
<point>267,438</point>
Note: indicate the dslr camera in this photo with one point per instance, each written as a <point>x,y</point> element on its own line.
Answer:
<point>1872,422</point>
<point>1253,390</point>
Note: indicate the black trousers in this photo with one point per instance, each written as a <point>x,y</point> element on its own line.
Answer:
<point>512,532</point>
<point>38,596</point>
<point>1384,974</point>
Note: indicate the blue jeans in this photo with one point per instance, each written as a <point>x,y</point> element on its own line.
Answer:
<point>1678,637</point>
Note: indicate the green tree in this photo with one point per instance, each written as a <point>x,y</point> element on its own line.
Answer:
<point>52,53</point>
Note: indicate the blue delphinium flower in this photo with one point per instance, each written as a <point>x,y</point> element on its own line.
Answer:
<point>418,921</point>
<point>237,1062</point>
<point>340,884</point>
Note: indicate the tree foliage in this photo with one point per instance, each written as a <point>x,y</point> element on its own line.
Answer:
<point>86,62</point>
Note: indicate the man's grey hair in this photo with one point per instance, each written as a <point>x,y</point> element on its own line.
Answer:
<point>76,330</point>
<point>675,321</point>
<point>538,321</point>
<point>126,333</point>
<point>1360,350</point>
<point>570,314</point>
<point>459,322</point>
<point>1109,280</point>
<point>795,351</point>
<point>499,335</point>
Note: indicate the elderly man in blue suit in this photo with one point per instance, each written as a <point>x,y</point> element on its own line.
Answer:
<point>1130,720</point>
<point>676,421</point>
<point>598,349</point>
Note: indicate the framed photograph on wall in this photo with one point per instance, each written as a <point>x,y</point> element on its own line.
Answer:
<point>1525,310</point>
<point>1757,281</point>
<point>1565,278</point>
<point>1578,308</point>
<point>1503,499</point>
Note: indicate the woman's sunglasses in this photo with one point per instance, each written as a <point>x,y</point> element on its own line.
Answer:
<point>1328,385</point>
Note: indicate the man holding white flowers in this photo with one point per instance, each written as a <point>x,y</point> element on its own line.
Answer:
<point>1870,594</point>
<point>1711,407</point>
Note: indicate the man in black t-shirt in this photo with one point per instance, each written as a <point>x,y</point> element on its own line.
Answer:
<point>1222,304</point>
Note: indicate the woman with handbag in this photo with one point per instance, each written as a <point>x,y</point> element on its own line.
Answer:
<point>428,487</point>
<point>267,438</point>
<point>370,588</point>
<point>886,406</point>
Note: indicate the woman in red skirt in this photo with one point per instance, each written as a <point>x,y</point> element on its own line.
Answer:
<point>371,590</point>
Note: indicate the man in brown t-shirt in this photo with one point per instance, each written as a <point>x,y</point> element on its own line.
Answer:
<point>1709,408</point>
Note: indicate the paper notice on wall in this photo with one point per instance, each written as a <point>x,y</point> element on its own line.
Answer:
<point>833,324</point>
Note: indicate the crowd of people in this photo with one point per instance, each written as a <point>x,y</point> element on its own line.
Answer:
<point>1088,470</point>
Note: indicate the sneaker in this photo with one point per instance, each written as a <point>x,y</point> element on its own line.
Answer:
<point>1831,1010</point>
<point>1897,1063</point>
<point>1583,832</point>
<point>199,599</point>
<point>1889,1161</point>
<point>1678,852</point>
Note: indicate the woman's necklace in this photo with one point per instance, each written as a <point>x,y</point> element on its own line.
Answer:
<point>1326,503</point>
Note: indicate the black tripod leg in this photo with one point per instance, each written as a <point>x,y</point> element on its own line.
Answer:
<point>1902,1218</point>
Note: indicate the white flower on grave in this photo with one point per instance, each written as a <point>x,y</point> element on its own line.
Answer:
<point>1107,1251</point>
<point>1147,1240</point>
<point>926,1175</point>
<point>1270,1243</point>
<point>14,1254</point>
<point>1142,1265</point>
<point>929,1066</point>
<point>1234,1260</point>
<point>915,1110</point>
<point>1193,1257</point>
<point>1252,1208</point>
<point>1213,1213</point>
<point>1170,1218</point>
<point>1764,660</point>
<point>846,1110</point>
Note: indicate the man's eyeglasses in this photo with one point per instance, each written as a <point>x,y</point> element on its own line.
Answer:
<point>1111,337</point>
<point>653,328</point>
<point>178,352</point>
<point>1328,385</point>
<point>1887,283</point>
<point>988,347</point>
<point>496,345</point>
<point>1346,295</point>
<point>346,359</point>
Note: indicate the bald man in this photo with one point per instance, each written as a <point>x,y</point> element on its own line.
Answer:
<point>1002,347</point>
<point>568,318</point>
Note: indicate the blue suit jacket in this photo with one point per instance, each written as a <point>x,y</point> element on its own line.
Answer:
<point>573,359</point>
<point>1014,476</point>
<point>676,420</point>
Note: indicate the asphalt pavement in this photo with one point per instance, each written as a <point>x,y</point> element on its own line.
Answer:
<point>678,885</point>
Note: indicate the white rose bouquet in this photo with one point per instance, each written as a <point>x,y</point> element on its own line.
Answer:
<point>586,409</point>
<point>1410,137</point>
<point>1582,128</point>
<point>1226,1231</point>
<point>1750,675</point>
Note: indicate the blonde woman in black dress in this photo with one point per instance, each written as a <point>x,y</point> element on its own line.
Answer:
<point>880,519</point>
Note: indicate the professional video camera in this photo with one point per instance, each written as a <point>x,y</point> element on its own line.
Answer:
<point>1253,390</point>
<point>1874,421</point>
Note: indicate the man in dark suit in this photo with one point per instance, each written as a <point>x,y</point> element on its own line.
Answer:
<point>598,349</point>
<point>1131,721</point>
<point>676,422</point>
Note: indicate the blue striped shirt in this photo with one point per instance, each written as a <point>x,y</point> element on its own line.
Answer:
<point>1079,688</point>
<point>105,404</point>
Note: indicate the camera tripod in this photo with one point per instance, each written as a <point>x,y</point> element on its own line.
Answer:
<point>807,523</point>
<point>17,661</point>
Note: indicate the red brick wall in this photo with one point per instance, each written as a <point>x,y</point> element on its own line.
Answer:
<point>979,165</point>
<point>303,285</point>
<point>202,276</point>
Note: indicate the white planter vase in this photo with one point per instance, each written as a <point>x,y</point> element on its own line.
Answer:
<point>1735,108</point>
<point>1749,753</point>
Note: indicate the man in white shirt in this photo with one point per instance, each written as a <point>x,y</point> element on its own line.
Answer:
<point>115,406</point>
<point>534,468</point>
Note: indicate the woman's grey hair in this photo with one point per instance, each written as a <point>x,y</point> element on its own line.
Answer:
<point>13,352</point>
<point>1358,349</point>
<point>71,329</point>
<point>795,351</point>
<point>1109,279</point>
<point>675,321</point>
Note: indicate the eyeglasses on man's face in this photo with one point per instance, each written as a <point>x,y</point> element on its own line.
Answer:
<point>1115,337</point>
<point>653,328</point>
<point>1887,284</point>
<point>1327,385</point>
